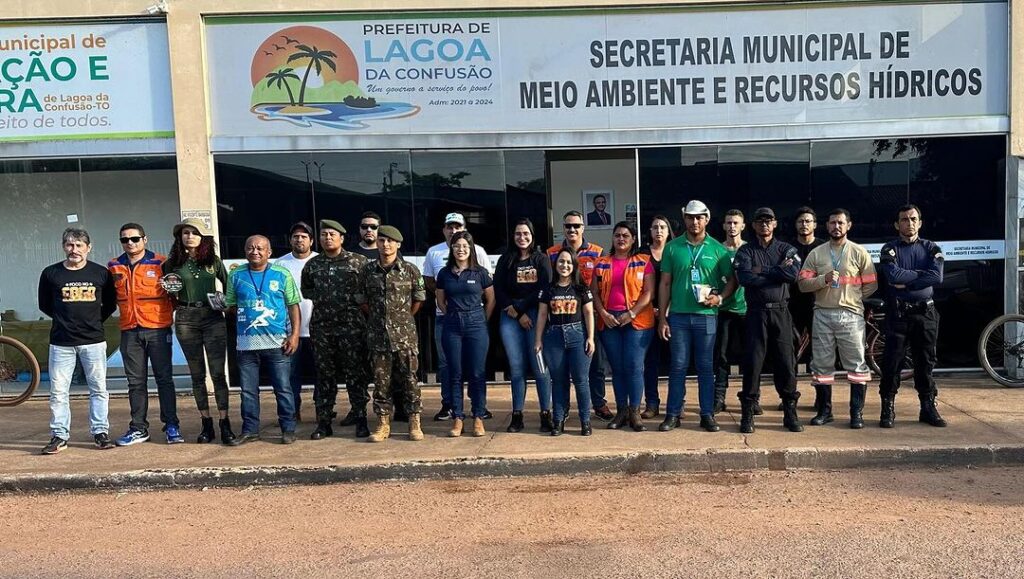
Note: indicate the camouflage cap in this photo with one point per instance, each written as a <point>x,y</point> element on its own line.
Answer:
<point>332,224</point>
<point>391,232</point>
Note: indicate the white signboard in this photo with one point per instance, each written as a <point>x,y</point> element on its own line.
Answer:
<point>84,81</point>
<point>606,70</point>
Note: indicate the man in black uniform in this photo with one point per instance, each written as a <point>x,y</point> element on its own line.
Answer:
<point>765,269</point>
<point>912,267</point>
<point>801,305</point>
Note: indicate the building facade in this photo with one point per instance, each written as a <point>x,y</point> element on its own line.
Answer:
<point>253,115</point>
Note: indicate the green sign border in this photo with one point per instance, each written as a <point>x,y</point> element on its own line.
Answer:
<point>91,137</point>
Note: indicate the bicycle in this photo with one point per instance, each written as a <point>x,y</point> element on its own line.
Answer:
<point>874,340</point>
<point>19,372</point>
<point>1001,350</point>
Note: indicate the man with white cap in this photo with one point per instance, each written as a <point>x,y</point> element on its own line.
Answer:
<point>433,263</point>
<point>696,277</point>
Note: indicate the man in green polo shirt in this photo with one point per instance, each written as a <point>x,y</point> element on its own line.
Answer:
<point>696,278</point>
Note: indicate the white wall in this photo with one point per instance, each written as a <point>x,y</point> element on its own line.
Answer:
<point>569,178</point>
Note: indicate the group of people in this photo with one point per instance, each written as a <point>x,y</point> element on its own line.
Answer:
<point>563,313</point>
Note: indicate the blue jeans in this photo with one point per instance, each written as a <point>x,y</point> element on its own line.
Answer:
<point>465,346</point>
<point>652,366</point>
<point>626,347</point>
<point>298,361</point>
<point>696,333</point>
<point>565,353</point>
<point>442,362</point>
<point>279,367</point>
<point>519,348</point>
<point>62,366</point>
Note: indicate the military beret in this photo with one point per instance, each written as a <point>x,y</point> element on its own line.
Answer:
<point>332,224</point>
<point>390,232</point>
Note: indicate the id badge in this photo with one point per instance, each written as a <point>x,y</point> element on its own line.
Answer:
<point>694,275</point>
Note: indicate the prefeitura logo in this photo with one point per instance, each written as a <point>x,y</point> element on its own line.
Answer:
<point>306,75</point>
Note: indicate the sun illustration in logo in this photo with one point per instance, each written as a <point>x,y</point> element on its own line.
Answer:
<point>306,75</point>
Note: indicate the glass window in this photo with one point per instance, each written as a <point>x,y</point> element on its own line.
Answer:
<point>526,190</point>
<point>752,176</point>
<point>670,176</point>
<point>350,184</point>
<point>868,178</point>
<point>262,194</point>
<point>469,182</point>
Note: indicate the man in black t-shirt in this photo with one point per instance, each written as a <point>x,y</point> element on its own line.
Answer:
<point>79,295</point>
<point>801,305</point>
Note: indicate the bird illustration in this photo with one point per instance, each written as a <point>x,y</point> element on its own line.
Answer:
<point>289,40</point>
<point>277,47</point>
<point>268,53</point>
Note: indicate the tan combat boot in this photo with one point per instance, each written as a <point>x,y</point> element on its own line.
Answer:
<point>478,427</point>
<point>383,431</point>
<point>456,430</point>
<point>415,432</point>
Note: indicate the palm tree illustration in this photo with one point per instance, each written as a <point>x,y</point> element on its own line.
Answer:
<point>316,58</point>
<point>280,77</point>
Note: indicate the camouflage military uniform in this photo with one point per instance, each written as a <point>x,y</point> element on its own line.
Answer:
<point>337,330</point>
<point>389,292</point>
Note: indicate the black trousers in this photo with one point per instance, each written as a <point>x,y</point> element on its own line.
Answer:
<point>919,331</point>
<point>728,338</point>
<point>769,331</point>
<point>140,348</point>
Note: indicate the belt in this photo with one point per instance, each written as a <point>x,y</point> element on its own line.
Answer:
<point>193,305</point>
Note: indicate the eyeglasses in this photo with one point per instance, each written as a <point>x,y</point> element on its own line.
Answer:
<point>369,226</point>
<point>133,239</point>
<point>572,225</point>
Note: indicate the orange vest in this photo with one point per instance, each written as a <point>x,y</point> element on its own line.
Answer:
<point>586,257</point>
<point>633,278</point>
<point>141,299</point>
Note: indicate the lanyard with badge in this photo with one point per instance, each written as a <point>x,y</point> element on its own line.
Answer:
<point>836,262</point>
<point>695,276</point>
<point>258,304</point>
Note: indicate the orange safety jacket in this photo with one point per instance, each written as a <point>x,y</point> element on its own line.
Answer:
<point>141,299</point>
<point>633,278</point>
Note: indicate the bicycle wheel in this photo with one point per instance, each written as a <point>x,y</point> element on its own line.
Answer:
<point>19,372</point>
<point>1001,350</point>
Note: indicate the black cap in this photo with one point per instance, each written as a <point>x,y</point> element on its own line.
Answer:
<point>303,226</point>
<point>763,212</point>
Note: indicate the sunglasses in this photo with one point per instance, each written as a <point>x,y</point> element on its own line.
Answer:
<point>369,226</point>
<point>572,225</point>
<point>133,239</point>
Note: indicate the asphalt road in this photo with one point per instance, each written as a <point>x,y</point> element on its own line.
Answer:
<point>889,523</point>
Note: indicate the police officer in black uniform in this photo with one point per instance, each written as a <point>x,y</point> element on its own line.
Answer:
<point>766,268</point>
<point>911,267</point>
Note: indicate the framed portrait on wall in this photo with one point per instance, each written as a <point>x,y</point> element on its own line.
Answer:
<point>599,208</point>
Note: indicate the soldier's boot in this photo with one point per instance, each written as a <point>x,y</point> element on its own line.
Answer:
<point>383,431</point>
<point>746,417</point>
<point>789,418</point>
<point>226,435</point>
<point>929,413</point>
<point>822,404</point>
<point>635,422</point>
<point>888,417</point>
<point>323,429</point>
<point>621,417</point>
<point>857,393</point>
<point>362,428</point>
<point>415,431</point>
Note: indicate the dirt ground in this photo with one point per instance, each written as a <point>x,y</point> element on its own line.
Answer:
<point>888,523</point>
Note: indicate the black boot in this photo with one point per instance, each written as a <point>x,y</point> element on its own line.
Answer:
<point>226,436</point>
<point>929,413</point>
<point>720,390</point>
<point>709,423</point>
<point>857,393</point>
<point>621,417</point>
<point>822,404</point>
<point>555,428</point>
<point>633,415</point>
<point>516,425</point>
<point>789,417</point>
<point>670,423</point>
<point>888,416</point>
<point>362,429</point>
<point>757,406</point>
<point>546,423</point>
<point>206,435</point>
<point>746,417</point>
<point>323,429</point>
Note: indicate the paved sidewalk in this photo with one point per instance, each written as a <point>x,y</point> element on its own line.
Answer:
<point>986,426</point>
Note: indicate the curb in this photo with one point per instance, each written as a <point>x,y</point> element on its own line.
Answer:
<point>682,462</point>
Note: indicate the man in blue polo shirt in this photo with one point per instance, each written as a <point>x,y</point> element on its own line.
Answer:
<point>267,304</point>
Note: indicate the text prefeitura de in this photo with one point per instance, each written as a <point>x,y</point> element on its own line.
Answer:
<point>703,50</point>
